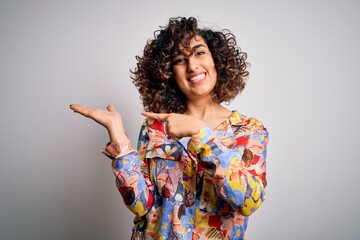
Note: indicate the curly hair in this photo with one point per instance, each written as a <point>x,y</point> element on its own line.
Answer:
<point>153,75</point>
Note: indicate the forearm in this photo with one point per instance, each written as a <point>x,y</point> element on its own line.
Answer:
<point>131,183</point>
<point>243,191</point>
<point>131,173</point>
<point>236,181</point>
<point>115,130</point>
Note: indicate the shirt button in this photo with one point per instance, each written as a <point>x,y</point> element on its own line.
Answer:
<point>188,229</point>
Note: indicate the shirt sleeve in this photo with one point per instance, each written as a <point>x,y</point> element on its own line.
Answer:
<point>238,171</point>
<point>131,170</point>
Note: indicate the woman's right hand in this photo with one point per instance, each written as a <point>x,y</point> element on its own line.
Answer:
<point>110,119</point>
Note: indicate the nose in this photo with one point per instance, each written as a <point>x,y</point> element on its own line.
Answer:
<point>192,64</point>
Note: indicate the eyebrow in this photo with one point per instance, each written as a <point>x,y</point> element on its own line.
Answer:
<point>197,46</point>
<point>193,49</point>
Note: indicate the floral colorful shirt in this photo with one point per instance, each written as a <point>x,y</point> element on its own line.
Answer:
<point>199,187</point>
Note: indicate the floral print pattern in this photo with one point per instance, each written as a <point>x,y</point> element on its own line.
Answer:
<point>199,187</point>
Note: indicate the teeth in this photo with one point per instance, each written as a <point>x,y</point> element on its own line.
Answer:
<point>198,77</point>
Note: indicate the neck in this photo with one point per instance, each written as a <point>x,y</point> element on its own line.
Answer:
<point>206,110</point>
<point>199,111</point>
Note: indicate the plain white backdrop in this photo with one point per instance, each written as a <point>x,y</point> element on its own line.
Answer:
<point>304,86</point>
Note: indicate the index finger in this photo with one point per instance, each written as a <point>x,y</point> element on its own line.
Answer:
<point>157,116</point>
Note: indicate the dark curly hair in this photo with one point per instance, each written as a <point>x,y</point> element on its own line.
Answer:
<point>153,75</point>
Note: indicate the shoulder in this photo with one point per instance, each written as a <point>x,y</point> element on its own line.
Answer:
<point>249,131</point>
<point>242,121</point>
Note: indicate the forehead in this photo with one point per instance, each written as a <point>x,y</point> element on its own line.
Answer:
<point>187,45</point>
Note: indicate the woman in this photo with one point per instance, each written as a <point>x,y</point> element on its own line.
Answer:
<point>199,169</point>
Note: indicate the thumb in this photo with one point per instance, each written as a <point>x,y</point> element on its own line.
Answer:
<point>110,108</point>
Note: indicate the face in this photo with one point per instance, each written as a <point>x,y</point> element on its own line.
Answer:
<point>195,72</point>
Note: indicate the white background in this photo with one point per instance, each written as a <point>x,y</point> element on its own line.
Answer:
<point>304,84</point>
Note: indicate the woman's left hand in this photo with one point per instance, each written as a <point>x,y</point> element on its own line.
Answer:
<point>177,125</point>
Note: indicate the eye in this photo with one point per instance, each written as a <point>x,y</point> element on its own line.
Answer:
<point>178,60</point>
<point>200,53</point>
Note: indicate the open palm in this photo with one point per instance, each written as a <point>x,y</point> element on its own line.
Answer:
<point>110,119</point>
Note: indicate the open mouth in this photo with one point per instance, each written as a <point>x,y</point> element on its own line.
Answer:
<point>198,78</point>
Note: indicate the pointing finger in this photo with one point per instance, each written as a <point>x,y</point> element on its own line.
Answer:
<point>157,116</point>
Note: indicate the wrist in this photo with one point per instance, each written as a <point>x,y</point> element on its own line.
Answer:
<point>115,131</point>
<point>118,147</point>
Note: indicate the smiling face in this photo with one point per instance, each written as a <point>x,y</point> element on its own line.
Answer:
<point>194,71</point>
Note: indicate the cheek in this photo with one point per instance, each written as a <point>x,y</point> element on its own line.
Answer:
<point>179,77</point>
<point>178,72</point>
<point>211,68</point>
<point>212,65</point>
<point>180,84</point>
